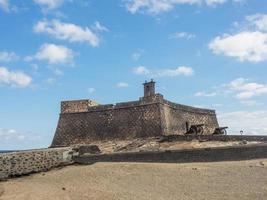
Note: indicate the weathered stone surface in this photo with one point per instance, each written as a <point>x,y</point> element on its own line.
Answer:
<point>91,149</point>
<point>151,116</point>
<point>26,162</point>
<point>181,156</point>
<point>77,106</point>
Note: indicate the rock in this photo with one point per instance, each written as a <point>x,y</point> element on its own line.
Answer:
<point>91,149</point>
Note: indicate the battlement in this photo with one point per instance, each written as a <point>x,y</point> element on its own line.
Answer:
<point>86,105</point>
<point>77,106</point>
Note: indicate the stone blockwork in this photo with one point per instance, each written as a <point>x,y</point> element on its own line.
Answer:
<point>181,156</point>
<point>77,106</point>
<point>108,123</point>
<point>176,116</point>
<point>27,162</point>
<point>82,122</point>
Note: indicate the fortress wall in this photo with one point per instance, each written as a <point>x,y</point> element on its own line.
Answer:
<point>175,116</point>
<point>127,104</point>
<point>26,162</point>
<point>76,106</point>
<point>109,123</point>
<point>100,108</point>
<point>190,109</point>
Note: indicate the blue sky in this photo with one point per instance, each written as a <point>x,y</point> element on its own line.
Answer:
<point>206,53</point>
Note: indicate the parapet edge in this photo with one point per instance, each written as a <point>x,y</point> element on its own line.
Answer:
<point>189,108</point>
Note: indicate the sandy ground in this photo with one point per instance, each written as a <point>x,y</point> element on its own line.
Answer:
<point>246,180</point>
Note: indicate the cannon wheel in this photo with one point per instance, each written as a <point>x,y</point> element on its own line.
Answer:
<point>194,130</point>
<point>224,132</point>
<point>201,131</point>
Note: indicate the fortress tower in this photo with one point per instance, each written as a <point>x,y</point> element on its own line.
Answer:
<point>149,88</point>
<point>84,121</point>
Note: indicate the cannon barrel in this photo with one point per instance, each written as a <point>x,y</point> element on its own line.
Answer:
<point>220,131</point>
<point>225,127</point>
<point>198,125</point>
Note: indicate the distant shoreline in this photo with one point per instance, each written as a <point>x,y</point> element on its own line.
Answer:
<point>6,151</point>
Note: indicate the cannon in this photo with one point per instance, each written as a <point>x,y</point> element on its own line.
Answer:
<point>220,131</point>
<point>196,129</point>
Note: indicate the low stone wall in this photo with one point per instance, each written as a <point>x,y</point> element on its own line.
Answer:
<point>32,161</point>
<point>27,162</point>
<point>181,156</point>
<point>251,138</point>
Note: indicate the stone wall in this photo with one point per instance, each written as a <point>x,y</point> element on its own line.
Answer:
<point>108,122</point>
<point>26,162</point>
<point>77,106</point>
<point>175,117</point>
<point>224,138</point>
<point>181,156</point>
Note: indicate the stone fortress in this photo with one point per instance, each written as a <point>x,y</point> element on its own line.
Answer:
<point>84,121</point>
<point>149,130</point>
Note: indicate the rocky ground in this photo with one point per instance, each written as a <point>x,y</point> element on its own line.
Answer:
<point>237,180</point>
<point>153,144</point>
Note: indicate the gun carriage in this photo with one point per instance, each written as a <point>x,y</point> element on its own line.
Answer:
<point>220,131</point>
<point>196,129</point>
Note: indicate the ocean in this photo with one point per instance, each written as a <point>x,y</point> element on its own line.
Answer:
<point>6,151</point>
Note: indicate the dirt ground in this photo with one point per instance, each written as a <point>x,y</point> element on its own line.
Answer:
<point>244,180</point>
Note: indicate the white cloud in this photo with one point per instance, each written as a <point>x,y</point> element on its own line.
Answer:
<point>167,72</point>
<point>50,81</point>
<point>215,2</point>
<point>50,4</point>
<point>205,94</point>
<point>69,32</point>
<point>91,90</point>
<point>254,122</point>
<point>244,46</point>
<point>160,6</point>
<point>100,27</point>
<point>182,70</point>
<point>54,54</point>
<point>136,56</point>
<point>249,103</point>
<point>259,21</point>
<point>8,134</point>
<point>247,90</point>
<point>11,135</point>
<point>122,85</point>
<point>7,57</point>
<point>14,78</point>
<point>141,70</point>
<point>4,5</point>
<point>155,6</point>
<point>181,35</point>
<point>250,44</point>
<point>239,88</point>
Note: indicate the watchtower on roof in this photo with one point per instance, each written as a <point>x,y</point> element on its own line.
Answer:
<point>149,88</point>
